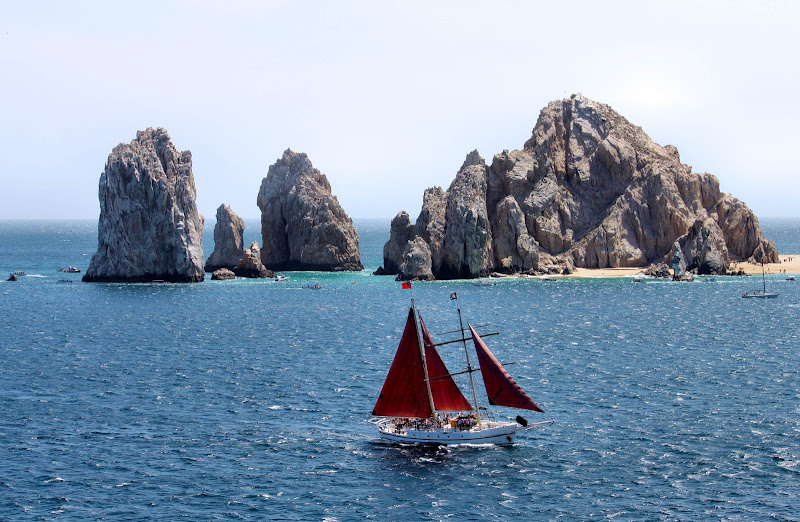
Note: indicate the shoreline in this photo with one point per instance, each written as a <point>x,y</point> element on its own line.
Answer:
<point>785,267</point>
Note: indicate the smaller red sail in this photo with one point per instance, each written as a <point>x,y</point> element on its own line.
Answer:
<point>501,389</point>
<point>446,395</point>
<point>404,393</point>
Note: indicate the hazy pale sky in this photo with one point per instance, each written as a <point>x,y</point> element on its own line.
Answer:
<point>386,98</point>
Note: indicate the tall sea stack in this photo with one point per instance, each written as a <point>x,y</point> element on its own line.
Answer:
<point>149,227</point>
<point>303,227</point>
<point>589,189</point>
<point>228,244</point>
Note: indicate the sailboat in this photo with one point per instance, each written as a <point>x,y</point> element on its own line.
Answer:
<point>761,294</point>
<point>420,402</point>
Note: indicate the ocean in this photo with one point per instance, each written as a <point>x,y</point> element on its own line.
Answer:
<point>250,399</point>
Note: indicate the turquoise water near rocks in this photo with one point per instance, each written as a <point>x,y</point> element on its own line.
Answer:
<point>250,399</point>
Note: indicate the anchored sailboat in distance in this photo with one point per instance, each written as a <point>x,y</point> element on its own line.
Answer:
<point>761,294</point>
<point>421,403</point>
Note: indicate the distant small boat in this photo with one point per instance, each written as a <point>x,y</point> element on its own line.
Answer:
<point>710,279</point>
<point>315,286</point>
<point>761,294</point>
<point>280,278</point>
<point>65,281</point>
<point>483,282</point>
<point>547,278</point>
<point>18,273</point>
<point>791,278</point>
<point>70,270</point>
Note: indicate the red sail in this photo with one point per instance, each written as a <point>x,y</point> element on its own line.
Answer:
<point>404,393</point>
<point>446,395</point>
<point>500,387</point>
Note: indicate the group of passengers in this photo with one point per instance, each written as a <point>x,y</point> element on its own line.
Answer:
<point>443,421</point>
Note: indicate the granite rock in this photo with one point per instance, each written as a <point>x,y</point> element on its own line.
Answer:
<point>222,274</point>
<point>590,187</point>
<point>228,245</point>
<point>467,245</point>
<point>401,232</point>
<point>250,264</point>
<point>149,227</point>
<point>303,226</point>
<point>704,247</point>
<point>416,265</point>
<point>659,270</point>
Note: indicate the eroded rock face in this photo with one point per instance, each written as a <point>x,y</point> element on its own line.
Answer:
<point>704,247</point>
<point>430,222</point>
<point>228,245</point>
<point>660,270</point>
<point>303,227</point>
<point>416,265</point>
<point>467,246</point>
<point>402,231</point>
<point>222,274</point>
<point>250,264</point>
<point>149,227</point>
<point>591,187</point>
<point>678,261</point>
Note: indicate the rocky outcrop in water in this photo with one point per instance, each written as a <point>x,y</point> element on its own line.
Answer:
<point>592,188</point>
<point>149,227</point>
<point>704,248</point>
<point>222,274</point>
<point>250,265</point>
<point>303,227</point>
<point>416,265</point>
<point>400,233</point>
<point>228,245</point>
<point>467,245</point>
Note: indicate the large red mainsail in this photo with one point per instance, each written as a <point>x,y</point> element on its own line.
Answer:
<point>446,395</point>
<point>404,393</point>
<point>500,387</point>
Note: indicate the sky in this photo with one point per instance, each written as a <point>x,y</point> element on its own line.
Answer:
<point>386,98</point>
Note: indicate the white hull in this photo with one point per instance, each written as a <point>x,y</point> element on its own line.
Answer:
<point>760,295</point>
<point>492,433</point>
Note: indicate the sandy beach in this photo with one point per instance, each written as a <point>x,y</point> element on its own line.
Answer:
<point>790,264</point>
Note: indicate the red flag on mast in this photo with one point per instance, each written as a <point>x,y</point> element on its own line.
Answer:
<point>406,285</point>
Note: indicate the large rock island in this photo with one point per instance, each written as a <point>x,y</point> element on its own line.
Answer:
<point>228,243</point>
<point>149,227</point>
<point>303,227</point>
<point>588,189</point>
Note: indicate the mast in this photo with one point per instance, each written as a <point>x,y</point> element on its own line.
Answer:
<point>424,363</point>
<point>469,364</point>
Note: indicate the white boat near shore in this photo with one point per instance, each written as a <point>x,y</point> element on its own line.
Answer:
<point>761,294</point>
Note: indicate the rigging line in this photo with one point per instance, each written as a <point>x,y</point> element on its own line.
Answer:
<point>464,339</point>
<point>456,331</point>
<point>473,370</point>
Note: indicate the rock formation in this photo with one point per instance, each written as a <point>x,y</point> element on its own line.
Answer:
<point>149,227</point>
<point>228,245</point>
<point>250,265</point>
<point>222,274</point>
<point>303,227</point>
<point>416,265</point>
<point>659,270</point>
<point>588,187</point>
<point>400,233</point>
<point>467,246</point>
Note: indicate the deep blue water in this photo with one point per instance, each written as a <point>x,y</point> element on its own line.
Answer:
<point>250,399</point>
